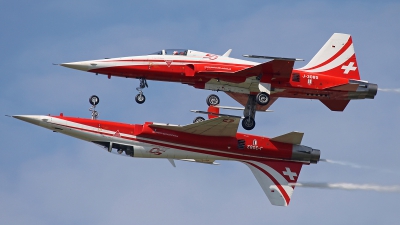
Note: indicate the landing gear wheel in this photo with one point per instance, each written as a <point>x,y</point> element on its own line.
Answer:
<point>212,100</point>
<point>248,123</point>
<point>140,98</point>
<point>198,119</point>
<point>262,98</point>
<point>94,100</point>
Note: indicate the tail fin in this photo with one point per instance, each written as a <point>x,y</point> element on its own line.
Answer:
<point>275,178</point>
<point>335,58</point>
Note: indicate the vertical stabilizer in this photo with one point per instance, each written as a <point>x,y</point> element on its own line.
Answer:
<point>336,58</point>
<point>275,177</point>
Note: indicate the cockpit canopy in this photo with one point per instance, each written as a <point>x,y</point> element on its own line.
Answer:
<point>171,52</point>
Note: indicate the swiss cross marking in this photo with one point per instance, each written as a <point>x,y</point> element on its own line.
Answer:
<point>348,68</point>
<point>289,173</point>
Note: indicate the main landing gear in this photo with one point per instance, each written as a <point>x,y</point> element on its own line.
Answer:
<point>262,98</point>
<point>140,98</point>
<point>249,113</point>
<point>212,100</point>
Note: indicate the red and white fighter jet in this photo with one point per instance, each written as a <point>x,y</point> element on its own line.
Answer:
<point>332,76</point>
<point>275,162</point>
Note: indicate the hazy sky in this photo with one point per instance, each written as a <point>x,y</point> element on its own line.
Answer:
<point>49,178</point>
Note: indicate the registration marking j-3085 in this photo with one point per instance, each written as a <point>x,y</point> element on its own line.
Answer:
<point>314,77</point>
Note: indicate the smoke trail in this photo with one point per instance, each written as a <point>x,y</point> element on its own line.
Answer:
<point>395,90</point>
<point>345,164</point>
<point>353,165</point>
<point>349,186</point>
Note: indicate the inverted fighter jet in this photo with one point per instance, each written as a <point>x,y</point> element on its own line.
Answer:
<point>275,162</point>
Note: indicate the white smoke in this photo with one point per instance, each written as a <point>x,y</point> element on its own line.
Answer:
<point>395,90</point>
<point>357,166</point>
<point>349,186</point>
<point>345,164</point>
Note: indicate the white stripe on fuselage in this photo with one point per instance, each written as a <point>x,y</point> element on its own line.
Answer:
<point>128,138</point>
<point>161,60</point>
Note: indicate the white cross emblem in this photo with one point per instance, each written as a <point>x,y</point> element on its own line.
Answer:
<point>289,173</point>
<point>348,68</point>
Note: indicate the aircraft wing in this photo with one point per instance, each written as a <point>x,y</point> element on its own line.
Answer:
<point>275,177</point>
<point>279,68</point>
<point>225,126</point>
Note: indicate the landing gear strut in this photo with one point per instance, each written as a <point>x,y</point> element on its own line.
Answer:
<point>249,113</point>
<point>140,97</point>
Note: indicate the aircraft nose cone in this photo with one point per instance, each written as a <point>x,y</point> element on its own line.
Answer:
<point>84,66</point>
<point>30,119</point>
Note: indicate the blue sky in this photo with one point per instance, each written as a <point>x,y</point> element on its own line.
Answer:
<point>48,178</point>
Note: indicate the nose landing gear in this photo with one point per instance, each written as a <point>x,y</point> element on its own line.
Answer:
<point>94,100</point>
<point>140,98</point>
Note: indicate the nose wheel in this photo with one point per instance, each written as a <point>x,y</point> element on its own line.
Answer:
<point>94,100</point>
<point>140,98</point>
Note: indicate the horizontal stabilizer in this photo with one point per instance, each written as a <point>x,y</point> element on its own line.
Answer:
<point>335,105</point>
<point>272,57</point>
<point>293,137</point>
